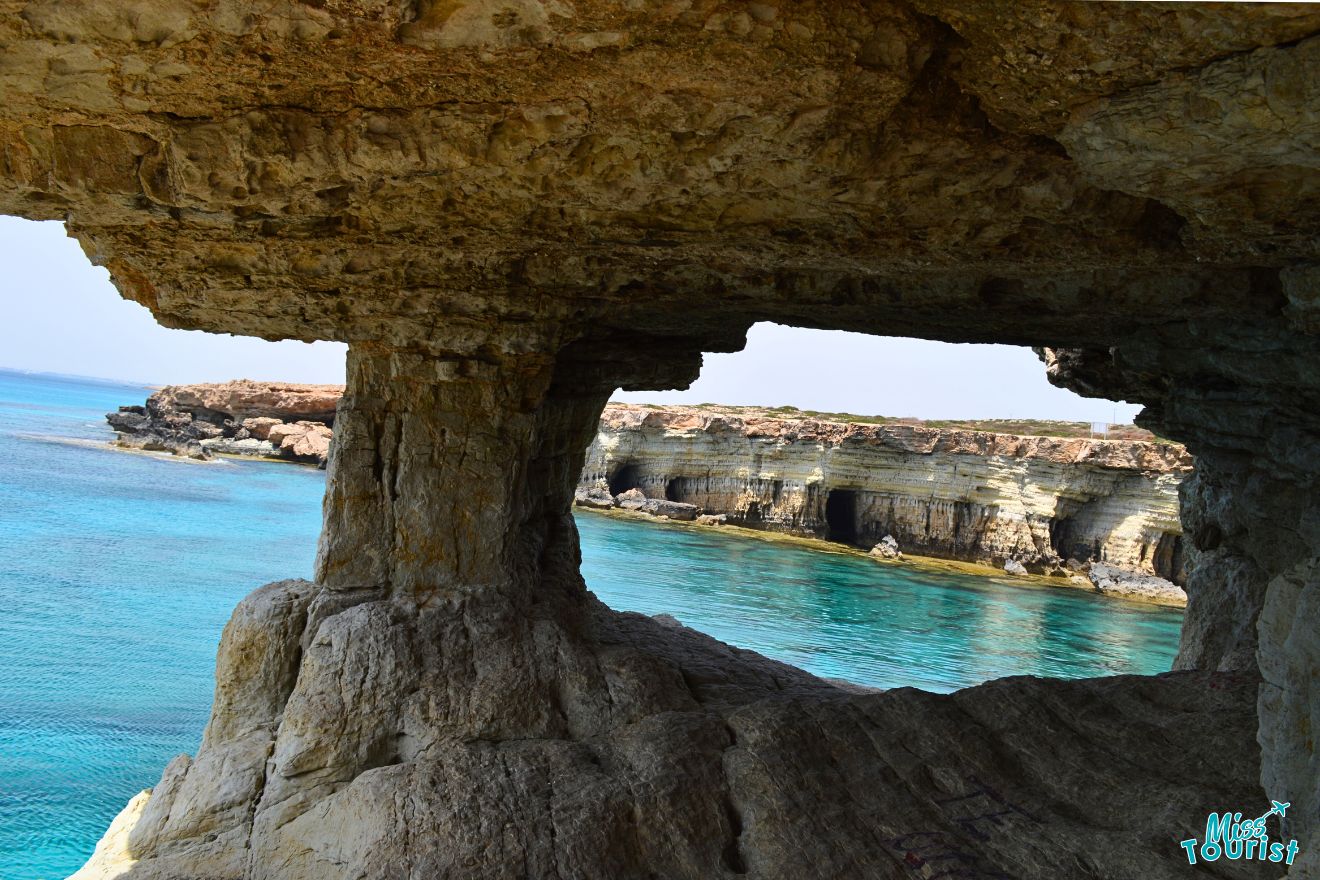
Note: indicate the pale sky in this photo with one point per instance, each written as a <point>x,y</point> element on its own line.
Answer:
<point>59,314</point>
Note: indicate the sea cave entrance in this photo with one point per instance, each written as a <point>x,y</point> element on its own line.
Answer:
<point>624,478</point>
<point>841,516</point>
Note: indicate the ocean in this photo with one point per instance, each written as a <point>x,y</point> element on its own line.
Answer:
<point>118,571</point>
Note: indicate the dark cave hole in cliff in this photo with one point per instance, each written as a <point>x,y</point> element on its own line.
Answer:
<point>1168,560</point>
<point>841,516</point>
<point>1064,542</point>
<point>624,478</point>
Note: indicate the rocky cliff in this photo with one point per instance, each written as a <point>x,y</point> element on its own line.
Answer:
<point>264,419</point>
<point>1051,504</point>
<point>510,208</point>
<point>961,494</point>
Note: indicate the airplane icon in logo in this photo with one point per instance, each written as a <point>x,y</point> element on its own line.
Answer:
<point>1277,809</point>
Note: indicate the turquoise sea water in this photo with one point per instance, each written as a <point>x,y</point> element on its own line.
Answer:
<point>118,571</point>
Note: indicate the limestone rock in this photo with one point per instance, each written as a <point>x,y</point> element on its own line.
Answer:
<point>594,497</point>
<point>243,399</point>
<point>886,549</point>
<point>632,499</point>
<point>1115,581</point>
<point>112,859</point>
<point>233,418</point>
<point>509,210</point>
<point>1015,568</point>
<point>302,441</point>
<point>969,495</point>
<point>675,510</point>
<point>259,427</point>
<point>369,752</point>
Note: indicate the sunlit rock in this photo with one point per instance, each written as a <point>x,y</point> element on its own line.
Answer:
<point>509,210</point>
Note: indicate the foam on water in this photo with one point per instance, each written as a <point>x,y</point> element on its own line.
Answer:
<point>117,573</point>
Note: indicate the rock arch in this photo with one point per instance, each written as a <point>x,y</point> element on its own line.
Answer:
<point>508,210</point>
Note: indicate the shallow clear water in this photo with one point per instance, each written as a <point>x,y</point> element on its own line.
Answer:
<point>118,571</point>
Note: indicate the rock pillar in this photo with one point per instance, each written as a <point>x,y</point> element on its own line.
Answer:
<point>453,476</point>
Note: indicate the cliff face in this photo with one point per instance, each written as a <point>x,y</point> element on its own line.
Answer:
<point>940,492</point>
<point>264,419</point>
<point>960,494</point>
<point>245,399</point>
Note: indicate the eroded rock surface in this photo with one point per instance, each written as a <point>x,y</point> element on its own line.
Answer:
<point>510,209</point>
<point>264,419</point>
<point>970,495</point>
<point>440,741</point>
<point>1114,581</point>
<point>961,494</point>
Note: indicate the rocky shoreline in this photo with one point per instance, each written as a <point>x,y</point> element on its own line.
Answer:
<point>264,420</point>
<point>1097,512</point>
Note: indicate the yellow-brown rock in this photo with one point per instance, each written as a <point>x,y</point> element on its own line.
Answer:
<point>509,208</point>
<point>949,492</point>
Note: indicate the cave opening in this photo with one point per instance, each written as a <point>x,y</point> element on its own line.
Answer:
<point>673,489</point>
<point>1064,542</point>
<point>841,516</point>
<point>1168,559</point>
<point>626,477</point>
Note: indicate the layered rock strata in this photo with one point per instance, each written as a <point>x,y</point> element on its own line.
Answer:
<point>267,420</point>
<point>1041,501</point>
<point>510,208</point>
<point>1037,501</point>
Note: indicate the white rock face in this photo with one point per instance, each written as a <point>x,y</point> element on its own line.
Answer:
<point>952,493</point>
<point>112,859</point>
<point>1114,581</point>
<point>887,548</point>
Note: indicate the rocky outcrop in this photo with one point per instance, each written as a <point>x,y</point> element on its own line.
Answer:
<point>509,209</point>
<point>244,399</point>
<point>1036,501</point>
<point>970,495</point>
<point>267,420</point>
<point>341,746</point>
<point>1115,581</point>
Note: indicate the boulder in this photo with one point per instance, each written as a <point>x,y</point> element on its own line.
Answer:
<point>301,441</point>
<point>259,426</point>
<point>633,499</point>
<point>594,497</point>
<point>1114,581</point>
<point>886,549</point>
<point>658,507</point>
<point>1015,568</point>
